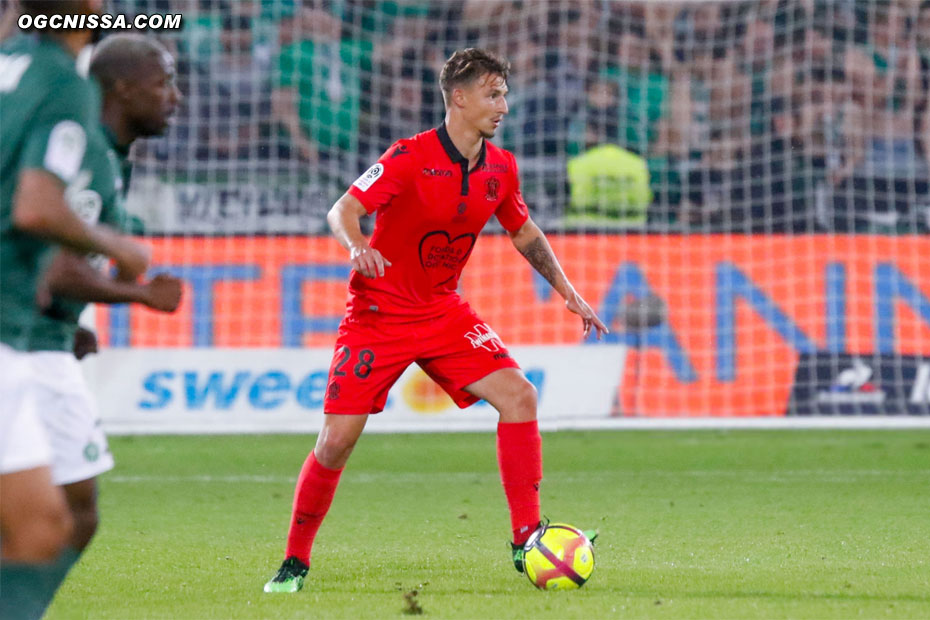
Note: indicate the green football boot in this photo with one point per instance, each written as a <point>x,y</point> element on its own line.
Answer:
<point>518,551</point>
<point>290,577</point>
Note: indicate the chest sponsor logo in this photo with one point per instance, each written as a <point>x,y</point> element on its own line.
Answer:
<point>437,172</point>
<point>441,256</point>
<point>483,337</point>
<point>492,188</point>
<point>369,177</point>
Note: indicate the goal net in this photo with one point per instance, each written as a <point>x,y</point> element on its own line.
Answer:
<point>740,189</point>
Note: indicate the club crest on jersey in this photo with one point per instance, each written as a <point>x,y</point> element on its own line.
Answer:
<point>460,210</point>
<point>491,188</point>
<point>483,337</point>
<point>369,177</point>
<point>85,202</point>
<point>400,150</point>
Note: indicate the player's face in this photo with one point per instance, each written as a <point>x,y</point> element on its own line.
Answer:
<point>486,104</point>
<point>155,97</point>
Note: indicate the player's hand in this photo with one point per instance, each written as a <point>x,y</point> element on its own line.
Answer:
<point>163,293</point>
<point>85,343</point>
<point>575,303</point>
<point>368,261</point>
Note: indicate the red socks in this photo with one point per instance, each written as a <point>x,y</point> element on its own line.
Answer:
<point>519,456</point>
<point>316,487</point>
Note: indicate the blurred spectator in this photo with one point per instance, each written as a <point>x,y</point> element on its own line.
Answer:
<point>659,30</point>
<point>602,112</point>
<point>882,172</point>
<point>644,92</point>
<point>525,83</point>
<point>410,51</point>
<point>609,186</point>
<point>922,41</point>
<point>234,88</point>
<point>773,181</point>
<point>376,17</point>
<point>749,113</point>
<point>487,23</point>
<point>557,103</point>
<point>398,104</point>
<point>317,98</point>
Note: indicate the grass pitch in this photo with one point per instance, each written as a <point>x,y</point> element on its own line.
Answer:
<point>710,524</point>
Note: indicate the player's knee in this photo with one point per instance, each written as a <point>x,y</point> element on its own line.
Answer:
<point>526,399</point>
<point>520,403</point>
<point>333,449</point>
<point>40,537</point>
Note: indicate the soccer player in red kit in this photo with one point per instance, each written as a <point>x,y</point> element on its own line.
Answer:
<point>433,193</point>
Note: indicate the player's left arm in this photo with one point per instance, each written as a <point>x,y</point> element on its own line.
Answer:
<point>532,244</point>
<point>71,275</point>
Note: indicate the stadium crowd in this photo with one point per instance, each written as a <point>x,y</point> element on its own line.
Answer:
<point>768,116</point>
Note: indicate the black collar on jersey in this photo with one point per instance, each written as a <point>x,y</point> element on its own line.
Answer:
<point>457,158</point>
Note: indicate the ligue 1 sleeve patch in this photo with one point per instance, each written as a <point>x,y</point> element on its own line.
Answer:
<point>369,177</point>
<point>65,151</point>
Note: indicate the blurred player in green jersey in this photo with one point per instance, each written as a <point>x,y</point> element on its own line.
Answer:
<point>136,74</point>
<point>49,117</point>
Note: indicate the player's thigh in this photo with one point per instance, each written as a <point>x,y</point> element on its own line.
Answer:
<point>34,519</point>
<point>368,360</point>
<point>69,414</point>
<point>23,441</point>
<point>461,350</point>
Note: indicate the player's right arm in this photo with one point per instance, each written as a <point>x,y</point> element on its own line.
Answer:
<point>344,220</point>
<point>40,209</point>
<point>375,189</point>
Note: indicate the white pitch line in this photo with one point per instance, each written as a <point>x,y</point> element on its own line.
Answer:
<point>821,475</point>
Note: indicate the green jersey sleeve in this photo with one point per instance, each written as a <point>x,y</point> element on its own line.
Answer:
<point>57,139</point>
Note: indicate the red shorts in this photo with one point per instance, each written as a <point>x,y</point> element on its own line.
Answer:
<point>455,350</point>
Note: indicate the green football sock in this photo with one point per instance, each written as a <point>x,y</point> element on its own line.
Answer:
<point>60,569</point>
<point>26,590</point>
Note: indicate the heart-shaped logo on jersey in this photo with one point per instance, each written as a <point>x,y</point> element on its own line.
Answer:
<point>441,256</point>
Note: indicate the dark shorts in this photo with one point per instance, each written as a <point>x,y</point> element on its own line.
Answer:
<point>455,350</point>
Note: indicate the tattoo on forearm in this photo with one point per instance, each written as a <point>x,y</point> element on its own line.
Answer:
<point>540,256</point>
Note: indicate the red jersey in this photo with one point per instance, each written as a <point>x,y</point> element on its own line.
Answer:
<point>430,211</point>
